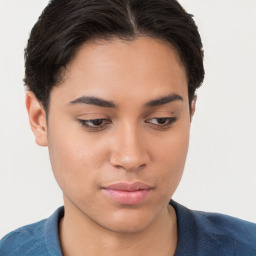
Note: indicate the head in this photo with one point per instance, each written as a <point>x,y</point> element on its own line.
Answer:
<point>66,25</point>
<point>111,91</point>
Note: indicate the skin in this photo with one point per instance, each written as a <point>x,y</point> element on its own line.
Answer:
<point>131,144</point>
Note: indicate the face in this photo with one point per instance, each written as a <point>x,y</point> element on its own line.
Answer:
<point>118,132</point>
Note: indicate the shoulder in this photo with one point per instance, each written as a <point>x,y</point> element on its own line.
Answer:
<point>241,233</point>
<point>236,228</point>
<point>40,238</point>
<point>219,232</point>
<point>24,241</point>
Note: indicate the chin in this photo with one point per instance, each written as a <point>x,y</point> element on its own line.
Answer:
<point>128,221</point>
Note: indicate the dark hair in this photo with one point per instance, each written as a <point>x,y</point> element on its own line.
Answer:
<point>66,24</point>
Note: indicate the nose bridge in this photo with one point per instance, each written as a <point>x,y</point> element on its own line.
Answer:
<point>129,151</point>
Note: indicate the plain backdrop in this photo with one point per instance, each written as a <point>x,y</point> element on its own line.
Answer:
<point>220,173</point>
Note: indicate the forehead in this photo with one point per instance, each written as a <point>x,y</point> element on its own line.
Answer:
<point>117,69</point>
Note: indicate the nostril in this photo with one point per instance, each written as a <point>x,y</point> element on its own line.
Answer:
<point>141,166</point>
<point>128,163</point>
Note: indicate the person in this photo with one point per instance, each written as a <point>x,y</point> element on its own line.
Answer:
<point>111,91</point>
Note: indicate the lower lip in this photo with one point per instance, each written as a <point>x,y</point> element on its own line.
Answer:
<point>127,197</point>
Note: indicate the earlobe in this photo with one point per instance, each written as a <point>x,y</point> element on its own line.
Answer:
<point>37,119</point>
<point>193,106</point>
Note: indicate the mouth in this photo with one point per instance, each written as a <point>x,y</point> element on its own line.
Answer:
<point>128,193</point>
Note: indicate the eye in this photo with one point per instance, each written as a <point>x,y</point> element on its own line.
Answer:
<point>161,121</point>
<point>94,124</point>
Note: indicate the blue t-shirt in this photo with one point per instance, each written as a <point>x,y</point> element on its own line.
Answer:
<point>199,234</point>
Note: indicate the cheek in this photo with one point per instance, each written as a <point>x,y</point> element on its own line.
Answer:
<point>75,158</point>
<point>171,156</point>
<point>171,147</point>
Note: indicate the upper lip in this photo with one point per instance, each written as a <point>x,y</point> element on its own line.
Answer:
<point>126,186</point>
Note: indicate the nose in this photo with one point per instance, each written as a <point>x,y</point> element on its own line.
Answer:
<point>129,151</point>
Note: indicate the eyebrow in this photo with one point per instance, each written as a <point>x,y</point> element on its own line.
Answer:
<point>164,100</point>
<point>91,100</point>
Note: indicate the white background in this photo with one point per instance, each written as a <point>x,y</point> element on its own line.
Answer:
<point>220,173</point>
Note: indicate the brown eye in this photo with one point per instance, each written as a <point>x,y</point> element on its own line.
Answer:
<point>94,123</point>
<point>162,121</point>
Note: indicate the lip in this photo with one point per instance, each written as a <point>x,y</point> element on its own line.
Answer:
<point>128,193</point>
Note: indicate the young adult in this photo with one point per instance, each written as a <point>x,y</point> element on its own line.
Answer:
<point>111,92</point>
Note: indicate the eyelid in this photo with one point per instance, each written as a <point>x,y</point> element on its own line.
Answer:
<point>84,124</point>
<point>159,113</point>
<point>172,118</point>
<point>92,115</point>
<point>169,121</point>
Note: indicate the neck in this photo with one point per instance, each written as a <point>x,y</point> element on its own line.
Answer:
<point>81,236</point>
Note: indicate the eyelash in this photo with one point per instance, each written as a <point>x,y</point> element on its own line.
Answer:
<point>167,122</point>
<point>95,127</point>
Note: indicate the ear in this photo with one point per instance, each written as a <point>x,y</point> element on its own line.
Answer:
<point>37,119</point>
<point>193,106</point>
